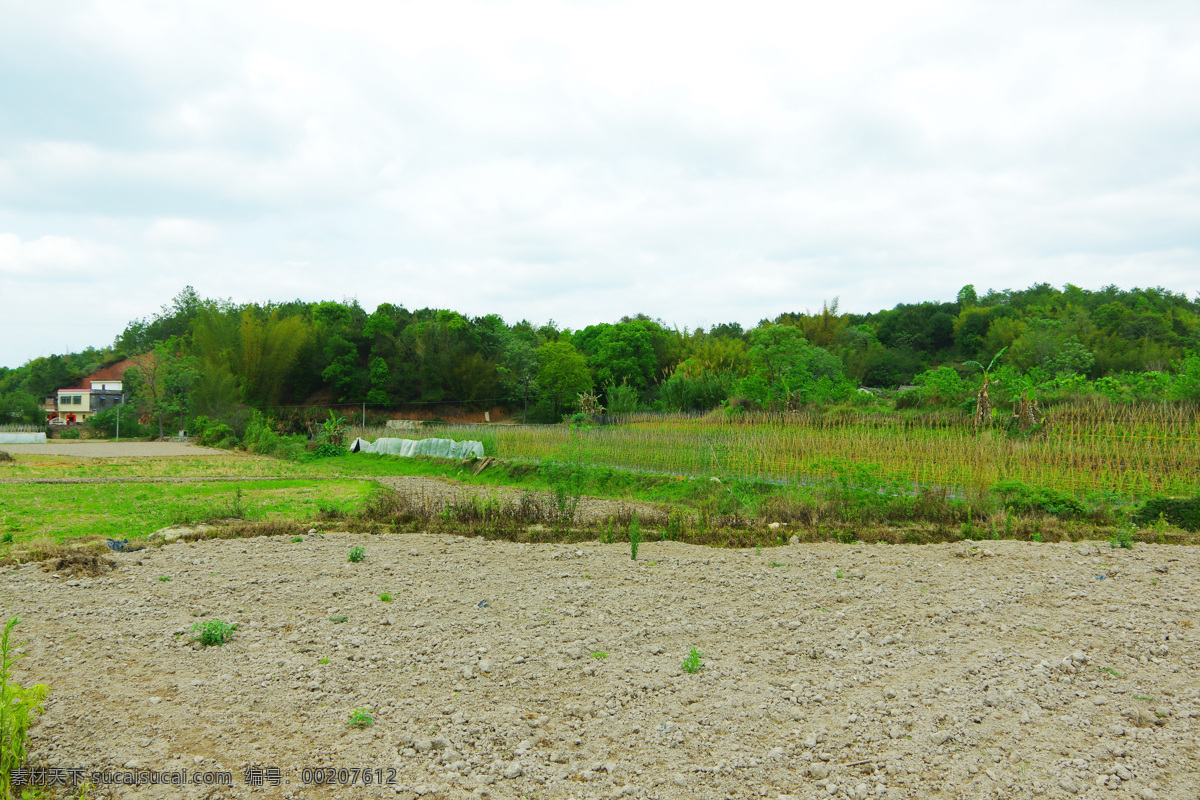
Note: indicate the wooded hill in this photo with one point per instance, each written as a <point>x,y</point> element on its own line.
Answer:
<point>1124,343</point>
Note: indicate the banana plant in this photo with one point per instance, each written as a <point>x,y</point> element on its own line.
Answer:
<point>983,402</point>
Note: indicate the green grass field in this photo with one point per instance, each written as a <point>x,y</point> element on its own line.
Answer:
<point>133,510</point>
<point>1084,473</point>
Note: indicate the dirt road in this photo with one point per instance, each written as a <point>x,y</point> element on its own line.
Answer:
<point>86,449</point>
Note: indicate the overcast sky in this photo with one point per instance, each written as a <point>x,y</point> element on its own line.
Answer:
<point>698,162</point>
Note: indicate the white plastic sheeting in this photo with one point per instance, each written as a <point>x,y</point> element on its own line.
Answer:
<point>22,438</point>
<point>439,448</point>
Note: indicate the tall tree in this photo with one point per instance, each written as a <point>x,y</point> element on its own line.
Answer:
<point>562,373</point>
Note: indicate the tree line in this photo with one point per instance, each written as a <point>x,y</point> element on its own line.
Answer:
<point>213,357</point>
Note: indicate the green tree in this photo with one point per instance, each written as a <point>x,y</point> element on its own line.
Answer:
<point>160,385</point>
<point>519,370</point>
<point>562,373</point>
<point>20,407</point>
<point>620,354</point>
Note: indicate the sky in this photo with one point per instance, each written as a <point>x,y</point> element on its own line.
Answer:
<point>580,161</point>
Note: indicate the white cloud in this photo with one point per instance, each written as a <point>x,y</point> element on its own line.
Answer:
<point>48,258</point>
<point>583,160</point>
<point>188,233</point>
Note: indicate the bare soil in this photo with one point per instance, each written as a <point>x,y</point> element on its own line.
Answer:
<point>506,670</point>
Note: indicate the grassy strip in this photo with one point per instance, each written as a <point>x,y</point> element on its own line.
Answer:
<point>132,510</point>
<point>740,513</point>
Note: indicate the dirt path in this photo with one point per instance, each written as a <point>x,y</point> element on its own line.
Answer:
<point>86,449</point>
<point>504,670</point>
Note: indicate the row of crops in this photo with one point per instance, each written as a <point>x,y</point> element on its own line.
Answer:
<point>1128,450</point>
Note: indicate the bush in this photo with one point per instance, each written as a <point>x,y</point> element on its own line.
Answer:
<point>219,435</point>
<point>1182,513</point>
<point>327,450</point>
<point>105,423</point>
<point>1040,500</point>
<point>69,433</point>
<point>942,386</point>
<point>621,399</point>
<point>910,399</point>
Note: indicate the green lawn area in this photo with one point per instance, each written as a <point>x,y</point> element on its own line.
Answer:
<point>133,510</point>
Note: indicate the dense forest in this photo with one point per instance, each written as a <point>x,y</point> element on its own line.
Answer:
<point>214,356</point>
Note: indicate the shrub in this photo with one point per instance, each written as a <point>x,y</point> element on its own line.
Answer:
<point>1040,500</point>
<point>357,554</point>
<point>327,450</point>
<point>1182,513</point>
<point>220,435</point>
<point>942,386</point>
<point>361,718</point>
<point>105,423</point>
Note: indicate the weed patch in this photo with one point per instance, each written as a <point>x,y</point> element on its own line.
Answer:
<point>214,632</point>
<point>18,708</point>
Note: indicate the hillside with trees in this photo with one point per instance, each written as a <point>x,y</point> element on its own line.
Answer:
<point>220,359</point>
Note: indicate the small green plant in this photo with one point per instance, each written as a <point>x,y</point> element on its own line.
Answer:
<point>1037,537</point>
<point>635,536</point>
<point>778,564</point>
<point>1110,671</point>
<point>323,660</point>
<point>385,597</point>
<point>18,707</point>
<point>357,554</point>
<point>758,549</point>
<point>845,537</point>
<point>599,654</point>
<point>213,632</point>
<point>164,578</point>
<point>297,538</point>
<point>674,529</point>
<point>7,538</point>
<point>692,664</point>
<point>361,718</point>
<point>607,531</point>
<point>1123,539</point>
<point>338,619</point>
<point>1144,698</point>
<point>839,573</point>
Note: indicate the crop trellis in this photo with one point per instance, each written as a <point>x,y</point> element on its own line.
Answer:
<point>1135,450</point>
